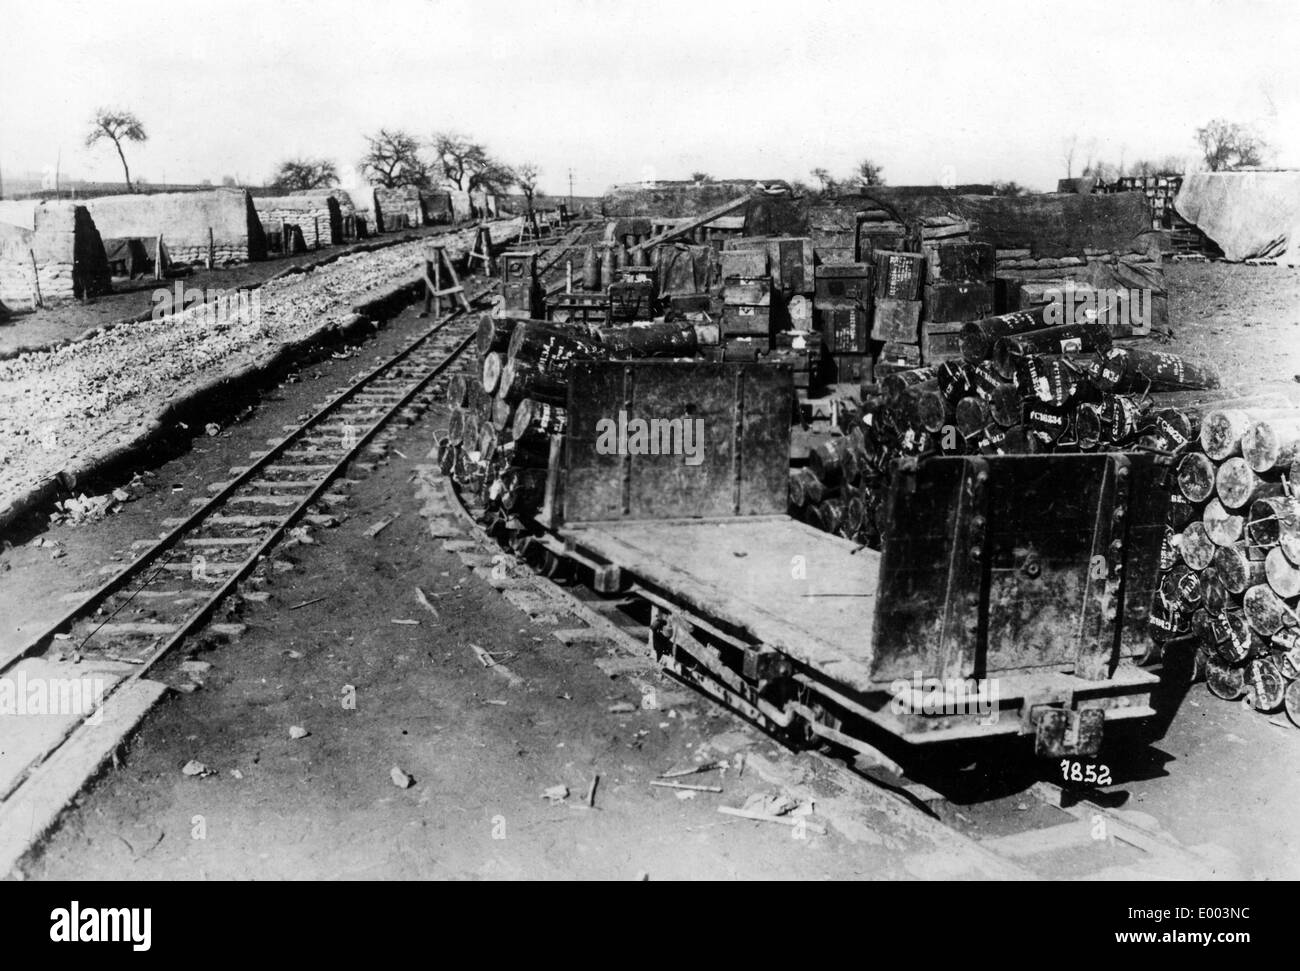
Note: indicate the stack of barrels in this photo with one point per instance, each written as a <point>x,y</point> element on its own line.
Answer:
<point>1231,562</point>
<point>507,411</point>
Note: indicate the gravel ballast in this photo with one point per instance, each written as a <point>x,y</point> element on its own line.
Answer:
<point>65,412</point>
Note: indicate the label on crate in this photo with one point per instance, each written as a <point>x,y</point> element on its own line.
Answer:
<point>898,275</point>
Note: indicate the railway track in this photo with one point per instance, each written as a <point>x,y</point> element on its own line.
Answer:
<point>183,583</point>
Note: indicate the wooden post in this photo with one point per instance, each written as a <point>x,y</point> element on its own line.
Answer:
<point>37,299</point>
<point>315,225</point>
<point>434,290</point>
<point>211,249</point>
<point>157,258</point>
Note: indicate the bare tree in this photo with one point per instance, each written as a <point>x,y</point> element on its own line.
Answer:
<point>117,125</point>
<point>525,177</point>
<point>494,178</point>
<point>393,159</point>
<point>456,156</point>
<point>1008,189</point>
<point>467,165</point>
<point>869,173</point>
<point>1068,147</point>
<point>823,177</point>
<point>1227,146</point>
<point>701,177</point>
<point>305,173</point>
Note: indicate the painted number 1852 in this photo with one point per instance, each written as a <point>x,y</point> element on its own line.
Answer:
<point>1094,775</point>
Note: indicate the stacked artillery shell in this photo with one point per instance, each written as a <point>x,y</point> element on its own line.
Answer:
<point>840,488</point>
<point>1022,387</point>
<point>506,411</point>
<point>1028,387</point>
<point>1231,566</point>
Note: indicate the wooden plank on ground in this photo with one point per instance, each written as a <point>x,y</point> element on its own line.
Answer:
<point>30,812</point>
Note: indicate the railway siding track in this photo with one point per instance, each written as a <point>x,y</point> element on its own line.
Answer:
<point>99,652</point>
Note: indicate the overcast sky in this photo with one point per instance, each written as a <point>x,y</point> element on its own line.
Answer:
<point>935,90</point>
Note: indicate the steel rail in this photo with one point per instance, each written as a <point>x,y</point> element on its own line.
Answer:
<point>143,561</point>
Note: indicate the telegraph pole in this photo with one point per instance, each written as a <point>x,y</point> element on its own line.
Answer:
<point>570,189</point>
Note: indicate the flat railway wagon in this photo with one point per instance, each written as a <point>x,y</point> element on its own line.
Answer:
<point>1010,597</point>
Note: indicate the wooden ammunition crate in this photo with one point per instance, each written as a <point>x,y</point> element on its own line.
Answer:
<point>803,363</point>
<point>899,275</point>
<point>835,255</point>
<point>691,303</point>
<point>743,349</point>
<point>959,262</point>
<point>845,326</point>
<point>631,300</point>
<point>753,291</point>
<point>898,353</point>
<point>637,274</point>
<point>791,260</point>
<point>578,307</point>
<point>958,301</point>
<point>746,320</point>
<point>850,368</point>
<point>848,281</point>
<point>744,264</point>
<point>940,341</point>
<point>874,237</point>
<point>896,320</point>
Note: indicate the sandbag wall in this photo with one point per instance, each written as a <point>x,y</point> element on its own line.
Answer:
<point>317,214</point>
<point>221,222</point>
<point>60,257</point>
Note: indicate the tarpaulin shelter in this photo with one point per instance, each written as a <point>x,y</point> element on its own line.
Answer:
<point>1250,215</point>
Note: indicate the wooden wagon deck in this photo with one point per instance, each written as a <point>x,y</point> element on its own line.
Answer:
<point>771,579</point>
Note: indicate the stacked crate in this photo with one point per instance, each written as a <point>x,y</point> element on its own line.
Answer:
<point>842,307</point>
<point>834,234</point>
<point>878,230</point>
<point>746,303</point>
<point>958,288</point>
<point>632,294</point>
<point>521,288</point>
<point>896,317</point>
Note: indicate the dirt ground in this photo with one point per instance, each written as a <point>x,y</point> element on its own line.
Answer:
<point>1243,319</point>
<point>130,298</point>
<point>1217,775</point>
<point>480,752</point>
